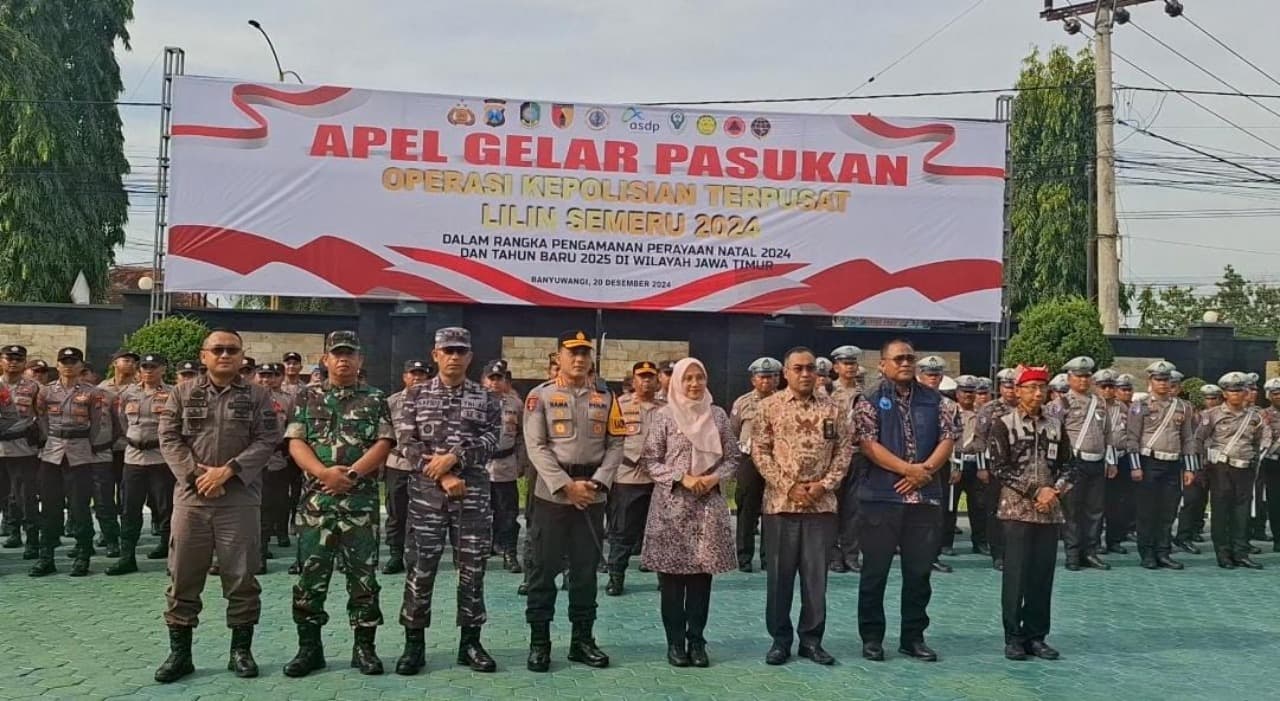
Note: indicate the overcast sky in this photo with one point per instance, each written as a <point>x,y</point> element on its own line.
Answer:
<point>659,50</point>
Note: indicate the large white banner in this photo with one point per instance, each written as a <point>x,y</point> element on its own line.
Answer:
<point>339,192</point>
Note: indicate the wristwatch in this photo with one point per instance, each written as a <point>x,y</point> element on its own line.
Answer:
<point>353,475</point>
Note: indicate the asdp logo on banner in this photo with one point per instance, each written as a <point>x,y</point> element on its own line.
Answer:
<point>636,121</point>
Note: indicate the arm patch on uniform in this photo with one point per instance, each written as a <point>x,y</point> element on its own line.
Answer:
<point>531,404</point>
<point>617,424</point>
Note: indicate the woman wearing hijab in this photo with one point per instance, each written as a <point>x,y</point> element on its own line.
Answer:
<point>688,538</point>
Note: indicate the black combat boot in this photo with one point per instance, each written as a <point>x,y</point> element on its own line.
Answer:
<point>511,562</point>
<point>363,654</point>
<point>44,565</point>
<point>414,657</point>
<point>310,655</point>
<point>395,563</point>
<point>539,647</point>
<point>178,664</point>
<point>582,647</point>
<point>615,585</point>
<point>241,661</point>
<point>161,551</point>
<point>127,563</point>
<point>472,654</point>
<point>32,549</point>
<point>15,538</point>
<point>80,565</point>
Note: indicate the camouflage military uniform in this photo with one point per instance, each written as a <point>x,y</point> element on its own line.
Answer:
<point>466,421</point>
<point>340,424</point>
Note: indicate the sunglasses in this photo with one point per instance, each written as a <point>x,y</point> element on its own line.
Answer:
<point>906,359</point>
<point>454,351</point>
<point>223,350</point>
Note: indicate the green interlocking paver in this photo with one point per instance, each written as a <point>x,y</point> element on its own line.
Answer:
<point>1127,634</point>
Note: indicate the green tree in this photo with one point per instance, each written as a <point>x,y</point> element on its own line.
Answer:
<point>1168,312</point>
<point>1053,332</point>
<point>176,337</point>
<point>297,304</point>
<point>1253,308</point>
<point>63,204</point>
<point>1051,145</point>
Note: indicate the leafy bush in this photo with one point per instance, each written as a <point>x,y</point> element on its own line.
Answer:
<point>1191,391</point>
<point>1053,332</point>
<point>177,338</point>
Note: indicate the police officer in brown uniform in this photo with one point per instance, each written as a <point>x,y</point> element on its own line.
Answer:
<point>18,460</point>
<point>632,487</point>
<point>845,555</point>
<point>109,480</point>
<point>276,506</point>
<point>77,425</point>
<point>139,407</point>
<point>749,492</point>
<point>216,434</point>
<point>1160,440</point>
<point>574,433</point>
<point>1230,437</point>
<point>397,472</point>
<point>504,465</point>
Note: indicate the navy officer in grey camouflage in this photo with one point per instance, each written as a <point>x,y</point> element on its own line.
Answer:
<point>575,436</point>
<point>447,429</point>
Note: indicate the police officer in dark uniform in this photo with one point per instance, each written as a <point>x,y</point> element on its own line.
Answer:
<point>189,370</point>
<point>574,433</point>
<point>447,429</point>
<point>19,462</point>
<point>139,407</point>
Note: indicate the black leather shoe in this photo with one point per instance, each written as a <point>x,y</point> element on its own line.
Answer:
<point>583,648</point>
<point>295,568</point>
<point>698,654</point>
<point>395,565</point>
<point>1246,562</point>
<point>1186,547</point>
<point>80,568</point>
<point>744,566</point>
<point>919,650</point>
<point>472,654</point>
<point>998,565</point>
<point>1015,652</point>
<point>13,541</point>
<point>523,589</point>
<point>948,551</point>
<point>539,658</point>
<point>982,549</point>
<point>873,652</point>
<point>615,585</point>
<point>1168,563</point>
<point>1042,650</point>
<point>676,656</point>
<point>414,657</point>
<point>1226,564</point>
<point>1072,566</point>
<point>1150,563</point>
<point>511,563</point>
<point>941,567</point>
<point>838,566</point>
<point>160,552</point>
<point>777,655</point>
<point>1096,562</point>
<point>1117,549</point>
<point>817,654</point>
<point>113,550</point>
<point>43,567</point>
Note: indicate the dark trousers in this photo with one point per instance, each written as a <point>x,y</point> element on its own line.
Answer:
<point>505,498</point>
<point>995,527</point>
<point>975,496</point>
<point>105,500</point>
<point>797,544</point>
<point>886,527</point>
<point>1082,508</point>
<point>276,511</point>
<point>628,510</point>
<point>557,530</point>
<point>749,495</point>
<point>1270,478</point>
<point>1157,497</point>
<point>19,476</point>
<point>1119,509</point>
<point>1231,490</point>
<point>143,483</point>
<point>686,601</point>
<point>59,485</point>
<point>295,491</point>
<point>1027,585</point>
<point>1195,499</point>
<point>397,487</point>
<point>846,547</point>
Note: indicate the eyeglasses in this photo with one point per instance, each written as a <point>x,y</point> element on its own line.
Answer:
<point>907,359</point>
<point>803,369</point>
<point>223,350</point>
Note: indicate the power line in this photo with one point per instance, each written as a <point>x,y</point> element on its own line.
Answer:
<point>1205,246</point>
<point>1232,51</point>
<point>1180,144</point>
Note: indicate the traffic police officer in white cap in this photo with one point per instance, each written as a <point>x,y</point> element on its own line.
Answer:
<point>1163,457</point>
<point>1230,437</point>
<point>845,555</point>
<point>1091,433</point>
<point>749,493</point>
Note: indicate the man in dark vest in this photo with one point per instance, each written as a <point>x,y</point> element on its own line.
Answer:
<point>906,437</point>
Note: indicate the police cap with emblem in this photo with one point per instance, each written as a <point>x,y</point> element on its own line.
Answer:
<point>1160,369</point>
<point>644,367</point>
<point>1007,376</point>
<point>1215,391</point>
<point>125,353</point>
<point>291,355</point>
<point>1124,381</point>
<point>1081,365</point>
<point>1058,383</point>
<point>823,366</point>
<point>1234,382</point>
<point>248,363</point>
<point>931,365</point>
<point>189,366</point>
<point>1106,377</point>
<point>70,356</point>
<point>984,385</point>
<point>846,353</point>
<point>764,366</point>
<point>1273,385</point>
<point>342,340</point>
<point>15,352</point>
<point>573,340</point>
<point>416,366</point>
<point>271,369</point>
<point>1176,377</point>
<point>967,383</point>
<point>666,367</point>
<point>1253,378</point>
<point>496,368</point>
<point>154,360</point>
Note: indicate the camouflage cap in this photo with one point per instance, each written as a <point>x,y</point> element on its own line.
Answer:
<point>15,351</point>
<point>1215,391</point>
<point>931,365</point>
<point>340,340</point>
<point>453,337</point>
<point>1080,365</point>
<point>846,353</point>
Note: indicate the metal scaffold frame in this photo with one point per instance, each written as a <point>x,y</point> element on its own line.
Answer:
<point>1000,330</point>
<point>174,65</point>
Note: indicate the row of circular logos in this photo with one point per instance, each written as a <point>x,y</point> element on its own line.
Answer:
<point>637,119</point>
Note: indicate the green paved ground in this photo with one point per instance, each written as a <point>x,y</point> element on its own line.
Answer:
<point>1127,634</point>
